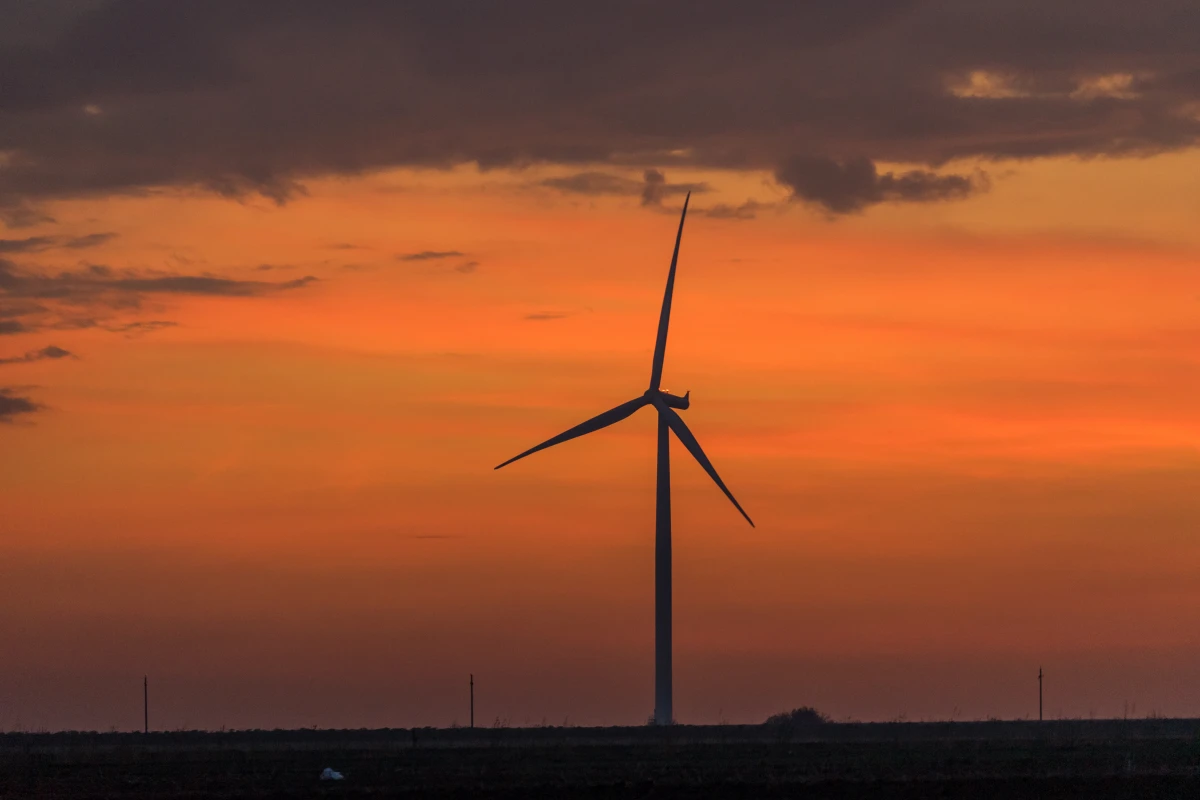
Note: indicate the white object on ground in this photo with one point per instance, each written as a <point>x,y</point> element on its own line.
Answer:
<point>331,775</point>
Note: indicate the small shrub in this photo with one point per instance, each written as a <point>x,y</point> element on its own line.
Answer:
<point>797,718</point>
<point>787,724</point>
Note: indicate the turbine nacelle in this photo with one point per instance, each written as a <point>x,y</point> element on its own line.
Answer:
<point>667,399</point>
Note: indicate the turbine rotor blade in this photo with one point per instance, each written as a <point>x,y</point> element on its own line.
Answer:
<point>689,441</point>
<point>664,318</point>
<point>597,422</point>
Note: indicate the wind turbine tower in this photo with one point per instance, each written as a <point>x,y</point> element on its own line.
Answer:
<point>669,421</point>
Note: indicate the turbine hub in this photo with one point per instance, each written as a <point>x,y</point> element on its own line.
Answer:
<point>671,400</point>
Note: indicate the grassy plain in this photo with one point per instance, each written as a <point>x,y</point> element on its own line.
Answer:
<point>1143,759</point>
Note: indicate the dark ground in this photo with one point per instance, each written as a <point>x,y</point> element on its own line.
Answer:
<point>1138,760</point>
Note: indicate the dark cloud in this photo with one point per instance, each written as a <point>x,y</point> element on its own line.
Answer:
<point>429,255</point>
<point>467,268</point>
<point>545,316</point>
<point>235,98</point>
<point>50,352</point>
<point>11,326</point>
<point>852,185</point>
<point>12,405</point>
<point>33,244</point>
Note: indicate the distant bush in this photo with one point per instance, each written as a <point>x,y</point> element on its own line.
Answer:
<point>797,719</point>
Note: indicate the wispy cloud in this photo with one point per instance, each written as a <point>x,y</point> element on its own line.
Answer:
<point>12,405</point>
<point>747,210</point>
<point>429,255</point>
<point>99,280</point>
<point>544,316</point>
<point>199,284</point>
<point>32,299</point>
<point>133,329</point>
<point>653,188</point>
<point>90,240</point>
<point>594,183</point>
<point>34,244</point>
<point>98,296</point>
<point>50,352</point>
<point>18,213</point>
<point>12,326</point>
<point>467,268</point>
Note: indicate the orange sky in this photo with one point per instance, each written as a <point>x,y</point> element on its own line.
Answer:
<point>967,432</point>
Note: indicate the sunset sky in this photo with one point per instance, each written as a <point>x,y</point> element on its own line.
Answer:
<point>282,282</point>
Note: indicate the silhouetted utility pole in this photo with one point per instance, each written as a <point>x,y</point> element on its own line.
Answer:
<point>472,700</point>
<point>146,704</point>
<point>1039,694</point>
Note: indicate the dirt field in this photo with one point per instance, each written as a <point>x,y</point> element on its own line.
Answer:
<point>1142,761</point>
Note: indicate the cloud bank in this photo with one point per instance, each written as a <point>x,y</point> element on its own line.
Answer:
<point>236,98</point>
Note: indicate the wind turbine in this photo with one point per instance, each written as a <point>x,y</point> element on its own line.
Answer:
<point>665,404</point>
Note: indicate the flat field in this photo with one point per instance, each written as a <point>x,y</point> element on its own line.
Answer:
<point>1134,760</point>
